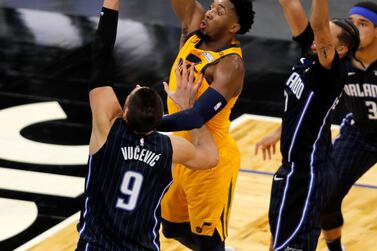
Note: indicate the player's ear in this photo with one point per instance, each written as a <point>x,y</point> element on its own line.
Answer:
<point>235,28</point>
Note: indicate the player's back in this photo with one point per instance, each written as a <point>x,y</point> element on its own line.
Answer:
<point>219,124</point>
<point>126,180</point>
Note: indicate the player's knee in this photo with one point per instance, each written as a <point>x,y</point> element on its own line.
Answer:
<point>210,243</point>
<point>331,220</point>
<point>174,230</point>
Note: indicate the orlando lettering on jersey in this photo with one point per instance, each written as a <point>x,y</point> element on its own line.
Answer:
<point>358,90</point>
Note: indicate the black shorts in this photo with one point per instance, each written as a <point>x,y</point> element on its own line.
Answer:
<point>298,193</point>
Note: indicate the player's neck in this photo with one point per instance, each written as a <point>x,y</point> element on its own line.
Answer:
<point>368,55</point>
<point>214,44</point>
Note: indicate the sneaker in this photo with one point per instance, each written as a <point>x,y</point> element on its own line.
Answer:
<point>229,248</point>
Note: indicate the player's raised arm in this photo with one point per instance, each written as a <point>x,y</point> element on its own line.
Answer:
<point>103,101</point>
<point>201,154</point>
<point>191,13</point>
<point>295,15</point>
<point>323,40</point>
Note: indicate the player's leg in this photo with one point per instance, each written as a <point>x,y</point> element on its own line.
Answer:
<point>294,210</point>
<point>353,154</point>
<point>209,196</point>
<point>209,243</point>
<point>174,212</point>
<point>180,232</point>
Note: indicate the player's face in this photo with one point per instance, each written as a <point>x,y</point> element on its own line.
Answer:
<point>367,30</point>
<point>219,18</point>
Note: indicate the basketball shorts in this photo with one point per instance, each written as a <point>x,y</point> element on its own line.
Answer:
<point>204,197</point>
<point>297,195</point>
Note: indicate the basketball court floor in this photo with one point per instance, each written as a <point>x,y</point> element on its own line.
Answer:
<point>45,120</point>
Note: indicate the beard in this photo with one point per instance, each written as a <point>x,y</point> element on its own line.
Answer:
<point>203,36</point>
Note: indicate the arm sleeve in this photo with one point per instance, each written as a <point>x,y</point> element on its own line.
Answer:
<point>305,40</point>
<point>207,106</point>
<point>102,50</point>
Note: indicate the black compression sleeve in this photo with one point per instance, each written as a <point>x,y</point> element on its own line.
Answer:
<point>207,106</point>
<point>102,50</point>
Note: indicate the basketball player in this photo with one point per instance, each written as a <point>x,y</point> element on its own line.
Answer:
<point>196,208</point>
<point>311,94</point>
<point>130,164</point>
<point>355,149</point>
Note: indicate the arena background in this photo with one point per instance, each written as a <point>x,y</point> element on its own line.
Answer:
<point>44,69</point>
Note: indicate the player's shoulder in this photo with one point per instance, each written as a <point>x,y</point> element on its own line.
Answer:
<point>232,63</point>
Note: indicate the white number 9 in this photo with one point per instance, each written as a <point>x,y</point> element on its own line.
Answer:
<point>132,192</point>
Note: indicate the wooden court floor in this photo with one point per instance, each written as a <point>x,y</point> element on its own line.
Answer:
<point>249,225</point>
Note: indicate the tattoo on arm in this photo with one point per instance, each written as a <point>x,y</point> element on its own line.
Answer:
<point>324,52</point>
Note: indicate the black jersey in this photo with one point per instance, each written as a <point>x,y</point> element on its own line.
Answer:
<point>311,94</point>
<point>126,180</point>
<point>360,96</point>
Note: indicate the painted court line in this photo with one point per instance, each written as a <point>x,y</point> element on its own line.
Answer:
<point>41,183</point>
<point>52,231</point>
<point>271,174</point>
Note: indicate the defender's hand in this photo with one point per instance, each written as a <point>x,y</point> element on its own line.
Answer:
<point>268,145</point>
<point>187,88</point>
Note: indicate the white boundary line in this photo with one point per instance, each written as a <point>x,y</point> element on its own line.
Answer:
<point>50,232</point>
<point>245,117</point>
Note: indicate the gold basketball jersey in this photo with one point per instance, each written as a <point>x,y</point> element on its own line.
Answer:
<point>219,124</point>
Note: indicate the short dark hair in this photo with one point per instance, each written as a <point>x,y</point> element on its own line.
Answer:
<point>245,14</point>
<point>145,110</point>
<point>367,5</point>
<point>350,34</point>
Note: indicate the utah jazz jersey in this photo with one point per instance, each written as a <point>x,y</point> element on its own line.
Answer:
<point>360,96</point>
<point>190,52</point>
<point>204,197</point>
<point>126,180</point>
<point>311,93</point>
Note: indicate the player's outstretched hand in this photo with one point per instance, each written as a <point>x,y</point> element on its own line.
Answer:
<point>187,87</point>
<point>268,144</point>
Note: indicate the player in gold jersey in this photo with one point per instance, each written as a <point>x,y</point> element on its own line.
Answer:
<point>196,208</point>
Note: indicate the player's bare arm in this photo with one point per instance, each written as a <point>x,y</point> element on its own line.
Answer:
<point>322,36</point>
<point>201,154</point>
<point>191,13</point>
<point>104,104</point>
<point>228,76</point>
<point>295,15</point>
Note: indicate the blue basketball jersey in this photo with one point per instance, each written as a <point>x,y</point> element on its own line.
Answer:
<point>360,96</point>
<point>311,93</point>
<point>126,180</point>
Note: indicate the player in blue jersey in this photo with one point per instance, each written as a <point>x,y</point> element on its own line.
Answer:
<point>358,137</point>
<point>355,149</point>
<point>311,93</point>
<point>130,164</point>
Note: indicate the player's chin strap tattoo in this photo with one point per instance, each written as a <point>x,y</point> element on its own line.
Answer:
<point>207,106</point>
<point>102,73</point>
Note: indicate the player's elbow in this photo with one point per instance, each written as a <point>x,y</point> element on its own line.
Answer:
<point>213,159</point>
